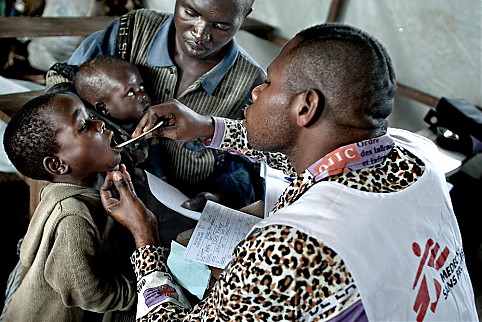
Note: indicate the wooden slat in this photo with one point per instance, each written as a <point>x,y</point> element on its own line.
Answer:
<point>256,27</point>
<point>4,117</point>
<point>417,95</point>
<point>18,26</point>
<point>11,103</point>
<point>263,31</point>
<point>335,10</point>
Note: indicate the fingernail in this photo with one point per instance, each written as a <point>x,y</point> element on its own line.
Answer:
<point>117,176</point>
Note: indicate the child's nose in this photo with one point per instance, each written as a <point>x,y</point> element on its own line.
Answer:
<point>100,126</point>
<point>142,97</point>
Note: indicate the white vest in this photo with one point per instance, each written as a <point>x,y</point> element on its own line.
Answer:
<point>387,239</point>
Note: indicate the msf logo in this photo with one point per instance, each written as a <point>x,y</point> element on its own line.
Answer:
<point>432,257</point>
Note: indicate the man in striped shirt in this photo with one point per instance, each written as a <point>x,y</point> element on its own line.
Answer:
<point>190,56</point>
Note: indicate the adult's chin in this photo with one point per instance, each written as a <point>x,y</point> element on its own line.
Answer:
<point>192,49</point>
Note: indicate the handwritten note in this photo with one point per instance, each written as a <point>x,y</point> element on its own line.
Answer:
<point>217,233</point>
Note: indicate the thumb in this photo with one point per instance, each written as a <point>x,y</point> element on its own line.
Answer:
<point>123,184</point>
<point>196,204</point>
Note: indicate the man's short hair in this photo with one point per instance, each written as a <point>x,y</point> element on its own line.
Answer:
<point>348,66</point>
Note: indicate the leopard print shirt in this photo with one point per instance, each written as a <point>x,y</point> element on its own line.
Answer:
<point>279,273</point>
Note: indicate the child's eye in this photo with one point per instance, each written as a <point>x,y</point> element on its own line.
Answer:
<point>93,117</point>
<point>131,92</point>
<point>83,127</point>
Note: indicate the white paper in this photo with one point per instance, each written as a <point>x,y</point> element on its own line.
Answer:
<point>217,233</point>
<point>170,196</point>
<point>9,86</point>
<point>276,182</point>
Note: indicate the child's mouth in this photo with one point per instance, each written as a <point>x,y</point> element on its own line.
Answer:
<point>144,111</point>
<point>113,143</point>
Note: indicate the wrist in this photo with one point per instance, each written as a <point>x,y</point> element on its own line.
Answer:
<point>147,234</point>
<point>146,240</point>
<point>208,129</point>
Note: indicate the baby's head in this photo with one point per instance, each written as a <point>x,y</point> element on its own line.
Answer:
<point>114,88</point>
<point>53,137</point>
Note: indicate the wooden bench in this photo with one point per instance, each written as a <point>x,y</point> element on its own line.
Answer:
<point>19,26</point>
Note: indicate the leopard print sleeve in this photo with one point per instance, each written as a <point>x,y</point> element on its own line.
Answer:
<point>160,298</point>
<point>284,279</point>
<point>279,274</point>
<point>149,258</point>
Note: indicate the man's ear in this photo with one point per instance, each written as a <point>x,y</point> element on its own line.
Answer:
<point>311,107</point>
<point>55,166</point>
<point>101,108</point>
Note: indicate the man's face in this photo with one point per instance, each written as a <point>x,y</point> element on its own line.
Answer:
<point>126,101</point>
<point>269,121</point>
<point>203,27</point>
<point>85,144</point>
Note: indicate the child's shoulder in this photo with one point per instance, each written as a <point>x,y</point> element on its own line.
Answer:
<point>71,199</point>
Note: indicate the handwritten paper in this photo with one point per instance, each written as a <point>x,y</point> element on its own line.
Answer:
<point>217,233</point>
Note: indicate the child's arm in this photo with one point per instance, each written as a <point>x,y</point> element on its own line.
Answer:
<point>77,267</point>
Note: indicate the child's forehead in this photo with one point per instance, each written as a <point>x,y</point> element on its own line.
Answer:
<point>68,106</point>
<point>121,78</point>
<point>124,70</point>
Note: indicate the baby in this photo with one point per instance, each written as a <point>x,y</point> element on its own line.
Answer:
<point>72,263</point>
<point>114,90</point>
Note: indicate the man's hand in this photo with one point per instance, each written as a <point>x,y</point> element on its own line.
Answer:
<point>127,208</point>
<point>183,124</point>
<point>198,203</point>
